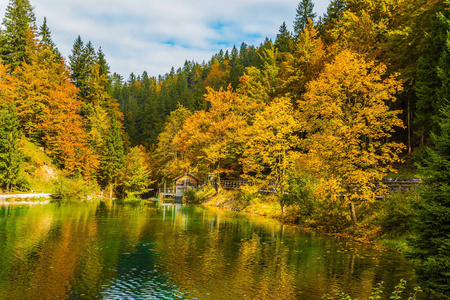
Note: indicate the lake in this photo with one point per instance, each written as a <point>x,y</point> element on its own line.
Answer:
<point>124,251</point>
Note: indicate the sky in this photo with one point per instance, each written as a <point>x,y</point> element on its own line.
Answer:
<point>156,35</point>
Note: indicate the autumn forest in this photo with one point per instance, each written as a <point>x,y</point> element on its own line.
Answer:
<point>320,115</point>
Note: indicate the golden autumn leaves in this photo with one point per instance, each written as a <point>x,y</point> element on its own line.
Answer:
<point>337,133</point>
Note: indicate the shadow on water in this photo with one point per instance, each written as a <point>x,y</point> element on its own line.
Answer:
<point>116,251</point>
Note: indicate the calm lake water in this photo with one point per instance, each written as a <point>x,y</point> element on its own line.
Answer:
<point>99,251</point>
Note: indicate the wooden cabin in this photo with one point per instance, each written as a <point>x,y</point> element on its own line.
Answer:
<point>185,182</point>
<point>181,184</point>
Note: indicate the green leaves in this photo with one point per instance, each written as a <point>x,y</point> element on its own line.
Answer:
<point>10,155</point>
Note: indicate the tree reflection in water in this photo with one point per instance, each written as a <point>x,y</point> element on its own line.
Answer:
<point>96,250</point>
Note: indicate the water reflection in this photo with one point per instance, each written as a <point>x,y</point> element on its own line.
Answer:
<point>114,251</point>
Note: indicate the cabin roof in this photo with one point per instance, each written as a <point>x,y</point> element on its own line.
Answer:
<point>187,174</point>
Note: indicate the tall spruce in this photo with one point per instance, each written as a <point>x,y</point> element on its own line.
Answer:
<point>284,42</point>
<point>304,13</point>
<point>18,22</point>
<point>112,160</point>
<point>81,62</point>
<point>432,85</point>
<point>334,10</point>
<point>46,39</point>
<point>10,155</point>
<point>430,246</point>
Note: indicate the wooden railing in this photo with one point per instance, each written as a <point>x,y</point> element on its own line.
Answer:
<point>400,184</point>
<point>392,184</point>
<point>170,191</point>
<point>233,185</point>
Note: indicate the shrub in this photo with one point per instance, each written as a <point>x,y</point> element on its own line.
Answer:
<point>194,196</point>
<point>396,213</point>
<point>300,193</point>
<point>72,188</point>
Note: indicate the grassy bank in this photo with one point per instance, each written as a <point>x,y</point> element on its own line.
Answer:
<point>386,223</point>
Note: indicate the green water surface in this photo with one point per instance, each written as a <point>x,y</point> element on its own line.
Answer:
<point>117,251</point>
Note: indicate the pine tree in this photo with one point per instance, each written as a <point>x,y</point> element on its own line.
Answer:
<point>431,245</point>
<point>81,61</point>
<point>46,39</point>
<point>19,20</point>
<point>236,69</point>
<point>284,42</point>
<point>304,13</point>
<point>104,67</point>
<point>10,155</point>
<point>432,85</point>
<point>334,10</point>
<point>112,161</point>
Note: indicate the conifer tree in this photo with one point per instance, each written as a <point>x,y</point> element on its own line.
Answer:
<point>430,246</point>
<point>334,10</point>
<point>10,155</point>
<point>82,59</point>
<point>112,160</point>
<point>304,13</point>
<point>46,39</point>
<point>432,85</point>
<point>19,20</point>
<point>284,42</point>
<point>104,67</point>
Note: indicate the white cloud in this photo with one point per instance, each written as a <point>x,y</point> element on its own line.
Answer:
<point>154,35</point>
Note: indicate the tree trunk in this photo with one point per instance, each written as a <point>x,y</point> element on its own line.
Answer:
<point>217,184</point>
<point>281,206</point>
<point>409,127</point>
<point>7,188</point>
<point>353,213</point>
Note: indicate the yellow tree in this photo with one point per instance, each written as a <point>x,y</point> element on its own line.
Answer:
<point>348,125</point>
<point>169,160</point>
<point>364,24</point>
<point>211,138</point>
<point>48,109</point>
<point>304,64</point>
<point>63,134</point>
<point>136,174</point>
<point>262,83</point>
<point>270,147</point>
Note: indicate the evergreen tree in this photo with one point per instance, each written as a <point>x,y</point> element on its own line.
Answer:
<point>284,42</point>
<point>431,245</point>
<point>46,39</point>
<point>10,156</point>
<point>104,67</point>
<point>432,85</point>
<point>81,62</point>
<point>19,20</point>
<point>112,160</point>
<point>334,10</point>
<point>304,13</point>
<point>236,69</point>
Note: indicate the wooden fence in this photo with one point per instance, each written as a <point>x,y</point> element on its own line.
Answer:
<point>392,184</point>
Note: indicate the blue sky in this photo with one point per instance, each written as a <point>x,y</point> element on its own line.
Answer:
<point>154,35</point>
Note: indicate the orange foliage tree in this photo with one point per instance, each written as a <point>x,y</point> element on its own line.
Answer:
<point>210,139</point>
<point>348,125</point>
<point>270,147</point>
<point>48,109</point>
<point>63,133</point>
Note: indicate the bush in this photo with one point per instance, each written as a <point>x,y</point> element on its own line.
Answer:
<point>194,196</point>
<point>396,213</point>
<point>300,194</point>
<point>72,188</point>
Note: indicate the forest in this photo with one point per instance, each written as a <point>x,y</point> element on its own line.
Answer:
<point>321,115</point>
